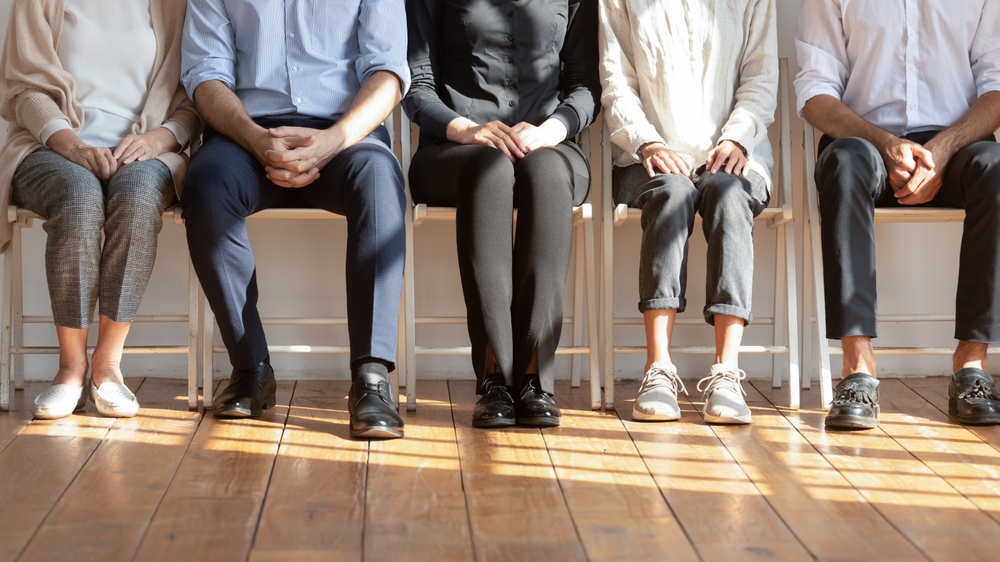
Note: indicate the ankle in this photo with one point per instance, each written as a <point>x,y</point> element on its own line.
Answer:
<point>71,373</point>
<point>109,371</point>
<point>371,371</point>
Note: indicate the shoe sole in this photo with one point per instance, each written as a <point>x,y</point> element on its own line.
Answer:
<point>657,415</point>
<point>495,422</point>
<point>541,421</point>
<point>852,422</point>
<point>377,433</point>
<point>970,420</point>
<point>240,413</point>
<point>724,420</point>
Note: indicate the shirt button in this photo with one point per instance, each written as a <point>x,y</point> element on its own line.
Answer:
<point>510,14</point>
<point>912,68</point>
<point>913,34</point>
<point>292,34</point>
<point>298,100</point>
<point>510,38</point>
<point>295,69</point>
<point>510,103</point>
<point>510,83</point>
<point>510,59</point>
<point>913,106</point>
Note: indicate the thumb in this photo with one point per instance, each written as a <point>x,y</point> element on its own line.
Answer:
<point>907,161</point>
<point>926,156</point>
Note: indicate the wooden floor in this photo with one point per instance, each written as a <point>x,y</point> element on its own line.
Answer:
<point>171,484</point>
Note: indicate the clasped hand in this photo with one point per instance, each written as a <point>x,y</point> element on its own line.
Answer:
<point>101,161</point>
<point>728,157</point>
<point>915,174</point>
<point>514,142</point>
<point>293,156</point>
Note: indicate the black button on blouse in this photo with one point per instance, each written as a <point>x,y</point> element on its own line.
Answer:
<point>506,60</point>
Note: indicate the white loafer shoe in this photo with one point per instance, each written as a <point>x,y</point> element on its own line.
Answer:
<point>114,400</point>
<point>58,401</point>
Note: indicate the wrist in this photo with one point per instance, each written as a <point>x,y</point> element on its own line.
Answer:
<point>644,148</point>
<point>457,127</point>
<point>65,142</point>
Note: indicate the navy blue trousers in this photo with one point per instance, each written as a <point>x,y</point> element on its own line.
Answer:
<point>225,184</point>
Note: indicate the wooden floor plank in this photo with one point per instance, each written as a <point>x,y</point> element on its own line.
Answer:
<point>935,391</point>
<point>516,509</point>
<point>723,513</point>
<point>828,516</point>
<point>39,464</point>
<point>105,512</point>
<point>415,507</point>
<point>19,416</point>
<point>615,504</point>
<point>315,503</point>
<point>950,450</point>
<point>922,506</point>
<point>212,506</point>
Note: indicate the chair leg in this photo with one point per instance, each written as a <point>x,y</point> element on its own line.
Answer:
<point>792,325</point>
<point>207,321</point>
<point>593,341</point>
<point>608,310</point>
<point>408,307</point>
<point>194,330</point>
<point>17,309</point>
<point>578,281</point>
<point>780,328</point>
<point>5,329</point>
<point>400,351</point>
<point>826,380</point>
<point>807,308</point>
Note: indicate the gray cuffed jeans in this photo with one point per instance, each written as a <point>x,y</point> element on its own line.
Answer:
<point>76,206</point>
<point>728,205</point>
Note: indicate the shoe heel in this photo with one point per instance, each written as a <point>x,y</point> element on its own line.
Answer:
<point>270,402</point>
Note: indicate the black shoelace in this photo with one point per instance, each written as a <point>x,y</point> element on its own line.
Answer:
<point>494,388</point>
<point>852,393</point>
<point>380,389</point>
<point>529,390</point>
<point>980,389</point>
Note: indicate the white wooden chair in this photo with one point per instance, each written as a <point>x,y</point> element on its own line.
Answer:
<point>813,251</point>
<point>584,272</point>
<point>207,323</point>
<point>12,348</point>
<point>778,216</point>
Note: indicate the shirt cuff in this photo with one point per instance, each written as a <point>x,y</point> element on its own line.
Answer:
<point>51,127</point>
<point>643,134</point>
<point>568,117</point>
<point>180,133</point>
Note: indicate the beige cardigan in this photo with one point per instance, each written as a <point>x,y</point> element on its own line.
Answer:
<point>35,89</point>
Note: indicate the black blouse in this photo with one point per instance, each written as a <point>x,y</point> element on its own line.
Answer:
<point>506,60</point>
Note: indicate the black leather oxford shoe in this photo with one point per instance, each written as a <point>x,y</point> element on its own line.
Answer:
<point>855,403</point>
<point>250,392</point>
<point>495,408</point>
<point>536,407</point>
<point>373,415</point>
<point>972,398</point>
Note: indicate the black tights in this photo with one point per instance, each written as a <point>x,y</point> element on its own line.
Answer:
<point>513,292</point>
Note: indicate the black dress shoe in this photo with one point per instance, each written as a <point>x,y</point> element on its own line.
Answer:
<point>535,407</point>
<point>855,404</point>
<point>373,415</point>
<point>250,392</point>
<point>972,398</point>
<point>495,408</point>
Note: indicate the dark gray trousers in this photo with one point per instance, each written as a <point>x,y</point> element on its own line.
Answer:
<point>128,208</point>
<point>852,181</point>
<point>727,204</point>
<point>513,292</point>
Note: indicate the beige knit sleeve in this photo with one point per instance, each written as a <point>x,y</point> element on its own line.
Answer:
<point>34,87</point>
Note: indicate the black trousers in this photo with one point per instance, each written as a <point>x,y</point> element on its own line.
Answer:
<point>513,286</point>
<point>225,184</point>
<point>852,181</point>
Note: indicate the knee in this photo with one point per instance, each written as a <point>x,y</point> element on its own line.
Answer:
<point>80,203</point>
<point>375,177</point>
<point>983,166</point>
<point>488,163</point>
<point>724,193</point>
<point>668,193</point>
<point>139,191</point>
<point>209,184</point>
<point>849,155</point>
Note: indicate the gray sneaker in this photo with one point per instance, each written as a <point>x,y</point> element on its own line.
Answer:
<point>723,396</point>
<point>657,399</point>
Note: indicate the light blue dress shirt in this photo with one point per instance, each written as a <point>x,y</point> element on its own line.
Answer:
<point>306,57</point>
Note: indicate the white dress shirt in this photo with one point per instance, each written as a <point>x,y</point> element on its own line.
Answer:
<point>689,74</point>
<point>903,65</point>
<point>109,48</point>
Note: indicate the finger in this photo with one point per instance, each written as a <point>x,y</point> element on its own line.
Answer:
<point>710,160</point>
<point>925,155</point>
<point>667,164</point>
<point>124,145</point>
<point>302,180</point>
<point>299,166</point>
<point>732,162</point>
<point>514,136</point>
<point>678,164</point>
<point>132,154</point>
<point>500,144</point>
<point>906,162</point>
<point>720,160</point>
<point>648,164</point>
<point>513,143</point>
<point>278,156</point>
<point>112,163</point>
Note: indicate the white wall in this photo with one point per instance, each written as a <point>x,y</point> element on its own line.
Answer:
<point>300,272</point>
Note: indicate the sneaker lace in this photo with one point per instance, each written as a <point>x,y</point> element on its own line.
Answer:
<point>662,378</point>
<point>979,389</point>
<point>852,393</point>
<point>723,380</point>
